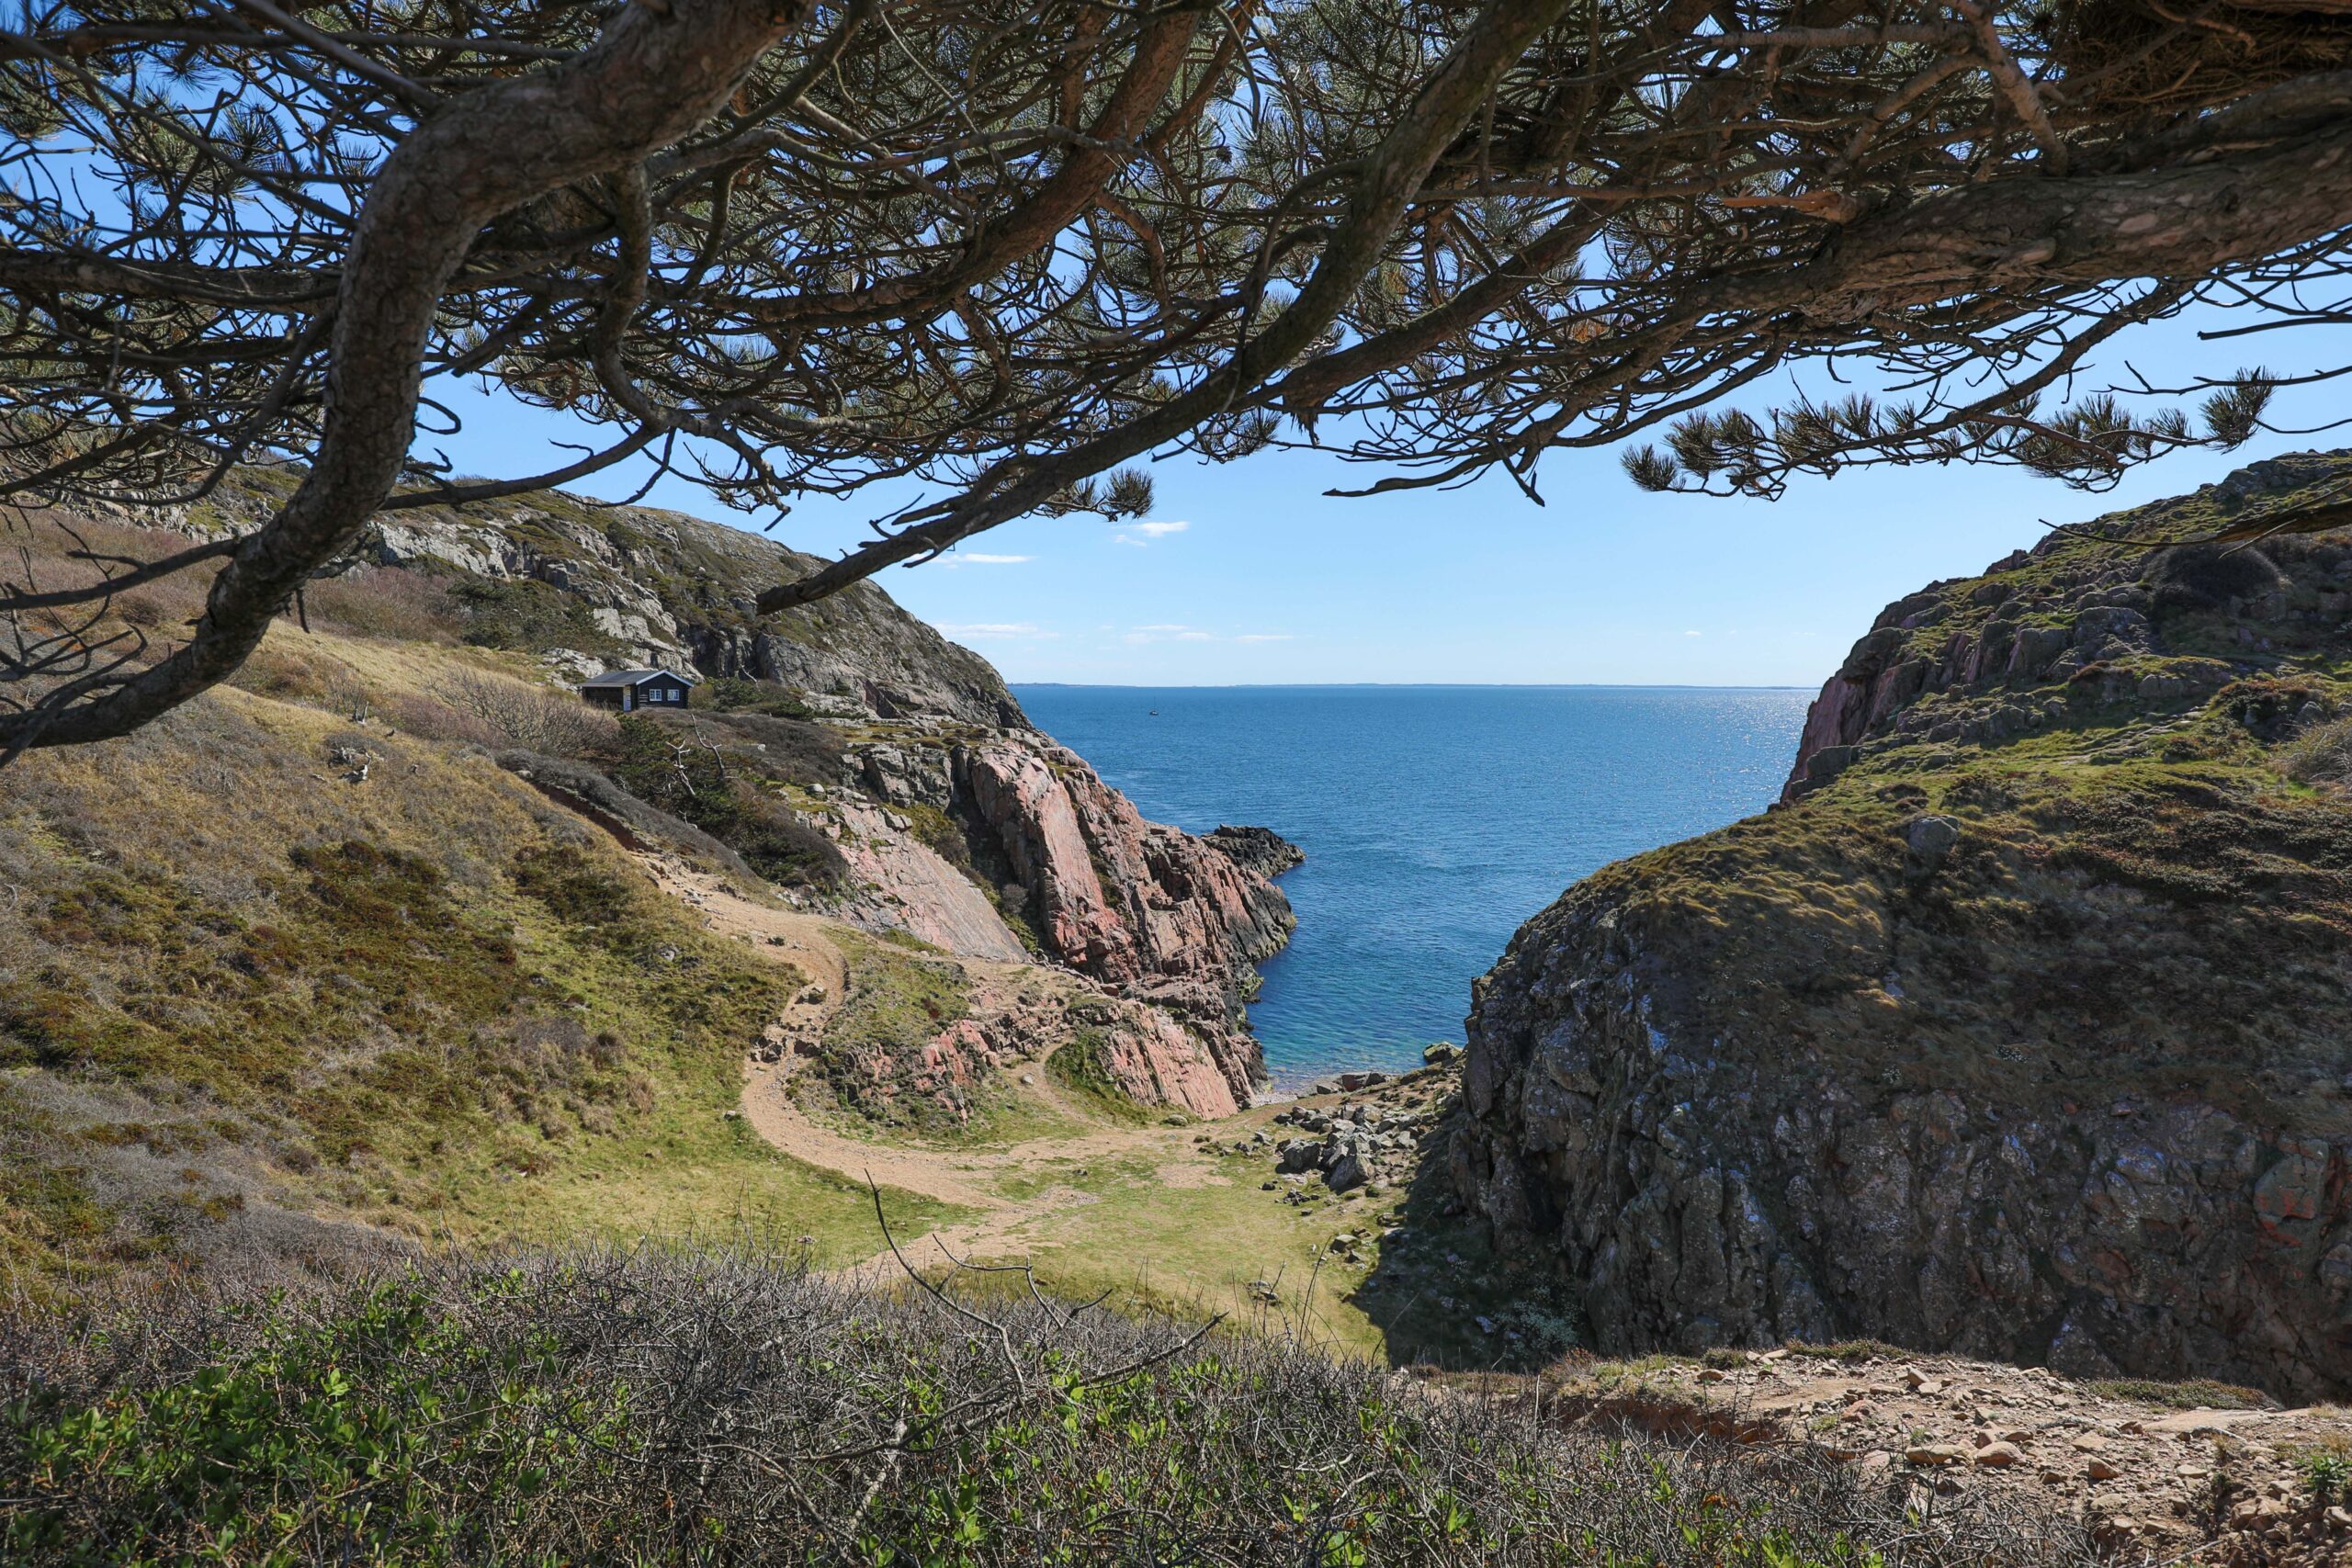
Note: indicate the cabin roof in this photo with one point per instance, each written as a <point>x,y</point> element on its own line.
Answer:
<point>632,678</point>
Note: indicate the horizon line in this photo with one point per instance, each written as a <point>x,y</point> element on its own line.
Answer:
<point>1414,685</point>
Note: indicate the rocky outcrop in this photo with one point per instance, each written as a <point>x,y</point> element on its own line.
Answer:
<point>1025,839</point>
<point>1068,1028</point>
<point>664,589</point>
<point>1154,1060</point>
<point>901,882</point>
<point>2018,1032</point>
<point>1351,1144</point>
<point>1258,850</point>
<point>1138,905</point>
<point>1989,659</point>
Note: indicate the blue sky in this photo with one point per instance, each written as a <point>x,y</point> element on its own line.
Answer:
<point>1246,572</point>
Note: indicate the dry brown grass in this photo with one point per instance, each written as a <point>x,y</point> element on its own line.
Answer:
<point>384,601</point>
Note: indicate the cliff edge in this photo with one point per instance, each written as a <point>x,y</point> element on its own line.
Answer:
<point>846,752</point>
<point>2018,1031</point>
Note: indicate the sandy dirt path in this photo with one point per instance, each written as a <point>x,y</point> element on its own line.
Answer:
<point>968,1179</point>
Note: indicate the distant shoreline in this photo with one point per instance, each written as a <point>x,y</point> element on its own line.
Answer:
<point>1396,686</point>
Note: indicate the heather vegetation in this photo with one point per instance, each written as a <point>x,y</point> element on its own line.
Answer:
<point>718,1407</point>
<point>306,966</point>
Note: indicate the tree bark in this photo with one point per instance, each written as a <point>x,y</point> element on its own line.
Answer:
<point>653,76</point>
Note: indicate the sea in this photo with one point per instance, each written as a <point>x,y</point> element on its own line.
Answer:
<point>1436,820</point>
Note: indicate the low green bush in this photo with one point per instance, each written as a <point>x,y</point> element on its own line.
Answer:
<point>730,1406</point>
<point>733,693</point>
<point>698,785</point>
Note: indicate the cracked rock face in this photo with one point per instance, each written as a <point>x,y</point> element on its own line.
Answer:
<point>1141,907</point>
<point>2020,1032</point>
<point>1707,1194</point>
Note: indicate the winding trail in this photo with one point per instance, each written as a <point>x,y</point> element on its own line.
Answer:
<point>971,1178</point>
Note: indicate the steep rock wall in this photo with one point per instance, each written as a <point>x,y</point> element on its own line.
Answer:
<point>2019,1032</point>
<point>1154,913</point>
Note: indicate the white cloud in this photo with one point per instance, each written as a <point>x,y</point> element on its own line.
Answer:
<point>1263,637</point>
<point>975,558</point>
<point>996,631</point>
<point>1694,634</point>
<point>1170,631</point>
<point>1151,531</point>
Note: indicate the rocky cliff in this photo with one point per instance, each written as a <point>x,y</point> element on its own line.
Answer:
<point>2018,1030</point>
<point>1066,865</point>
<point>591,587</point>
<point>954,821</point>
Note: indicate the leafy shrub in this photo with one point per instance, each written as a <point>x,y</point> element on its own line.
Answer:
<point>2326,1469</point>
<point>718,1407</point>
<point>695,783</point>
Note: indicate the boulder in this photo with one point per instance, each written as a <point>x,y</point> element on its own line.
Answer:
<point>1930,838</point>
<point>1297,1155</point>
<point>1346,1163</point>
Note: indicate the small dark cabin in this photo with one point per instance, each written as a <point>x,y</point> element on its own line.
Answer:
<point>630,689</point>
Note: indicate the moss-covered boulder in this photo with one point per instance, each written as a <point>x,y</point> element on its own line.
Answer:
<point>2023,1029</point>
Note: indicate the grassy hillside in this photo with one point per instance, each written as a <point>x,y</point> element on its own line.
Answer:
<point>303,948</point>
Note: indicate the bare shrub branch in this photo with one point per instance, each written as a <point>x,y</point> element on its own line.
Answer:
<point>533,717</point>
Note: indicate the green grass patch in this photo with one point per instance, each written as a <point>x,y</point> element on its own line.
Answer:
<point>1080,1070</point>
<point>2196,1393</point>
<point>1850,1352</point>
